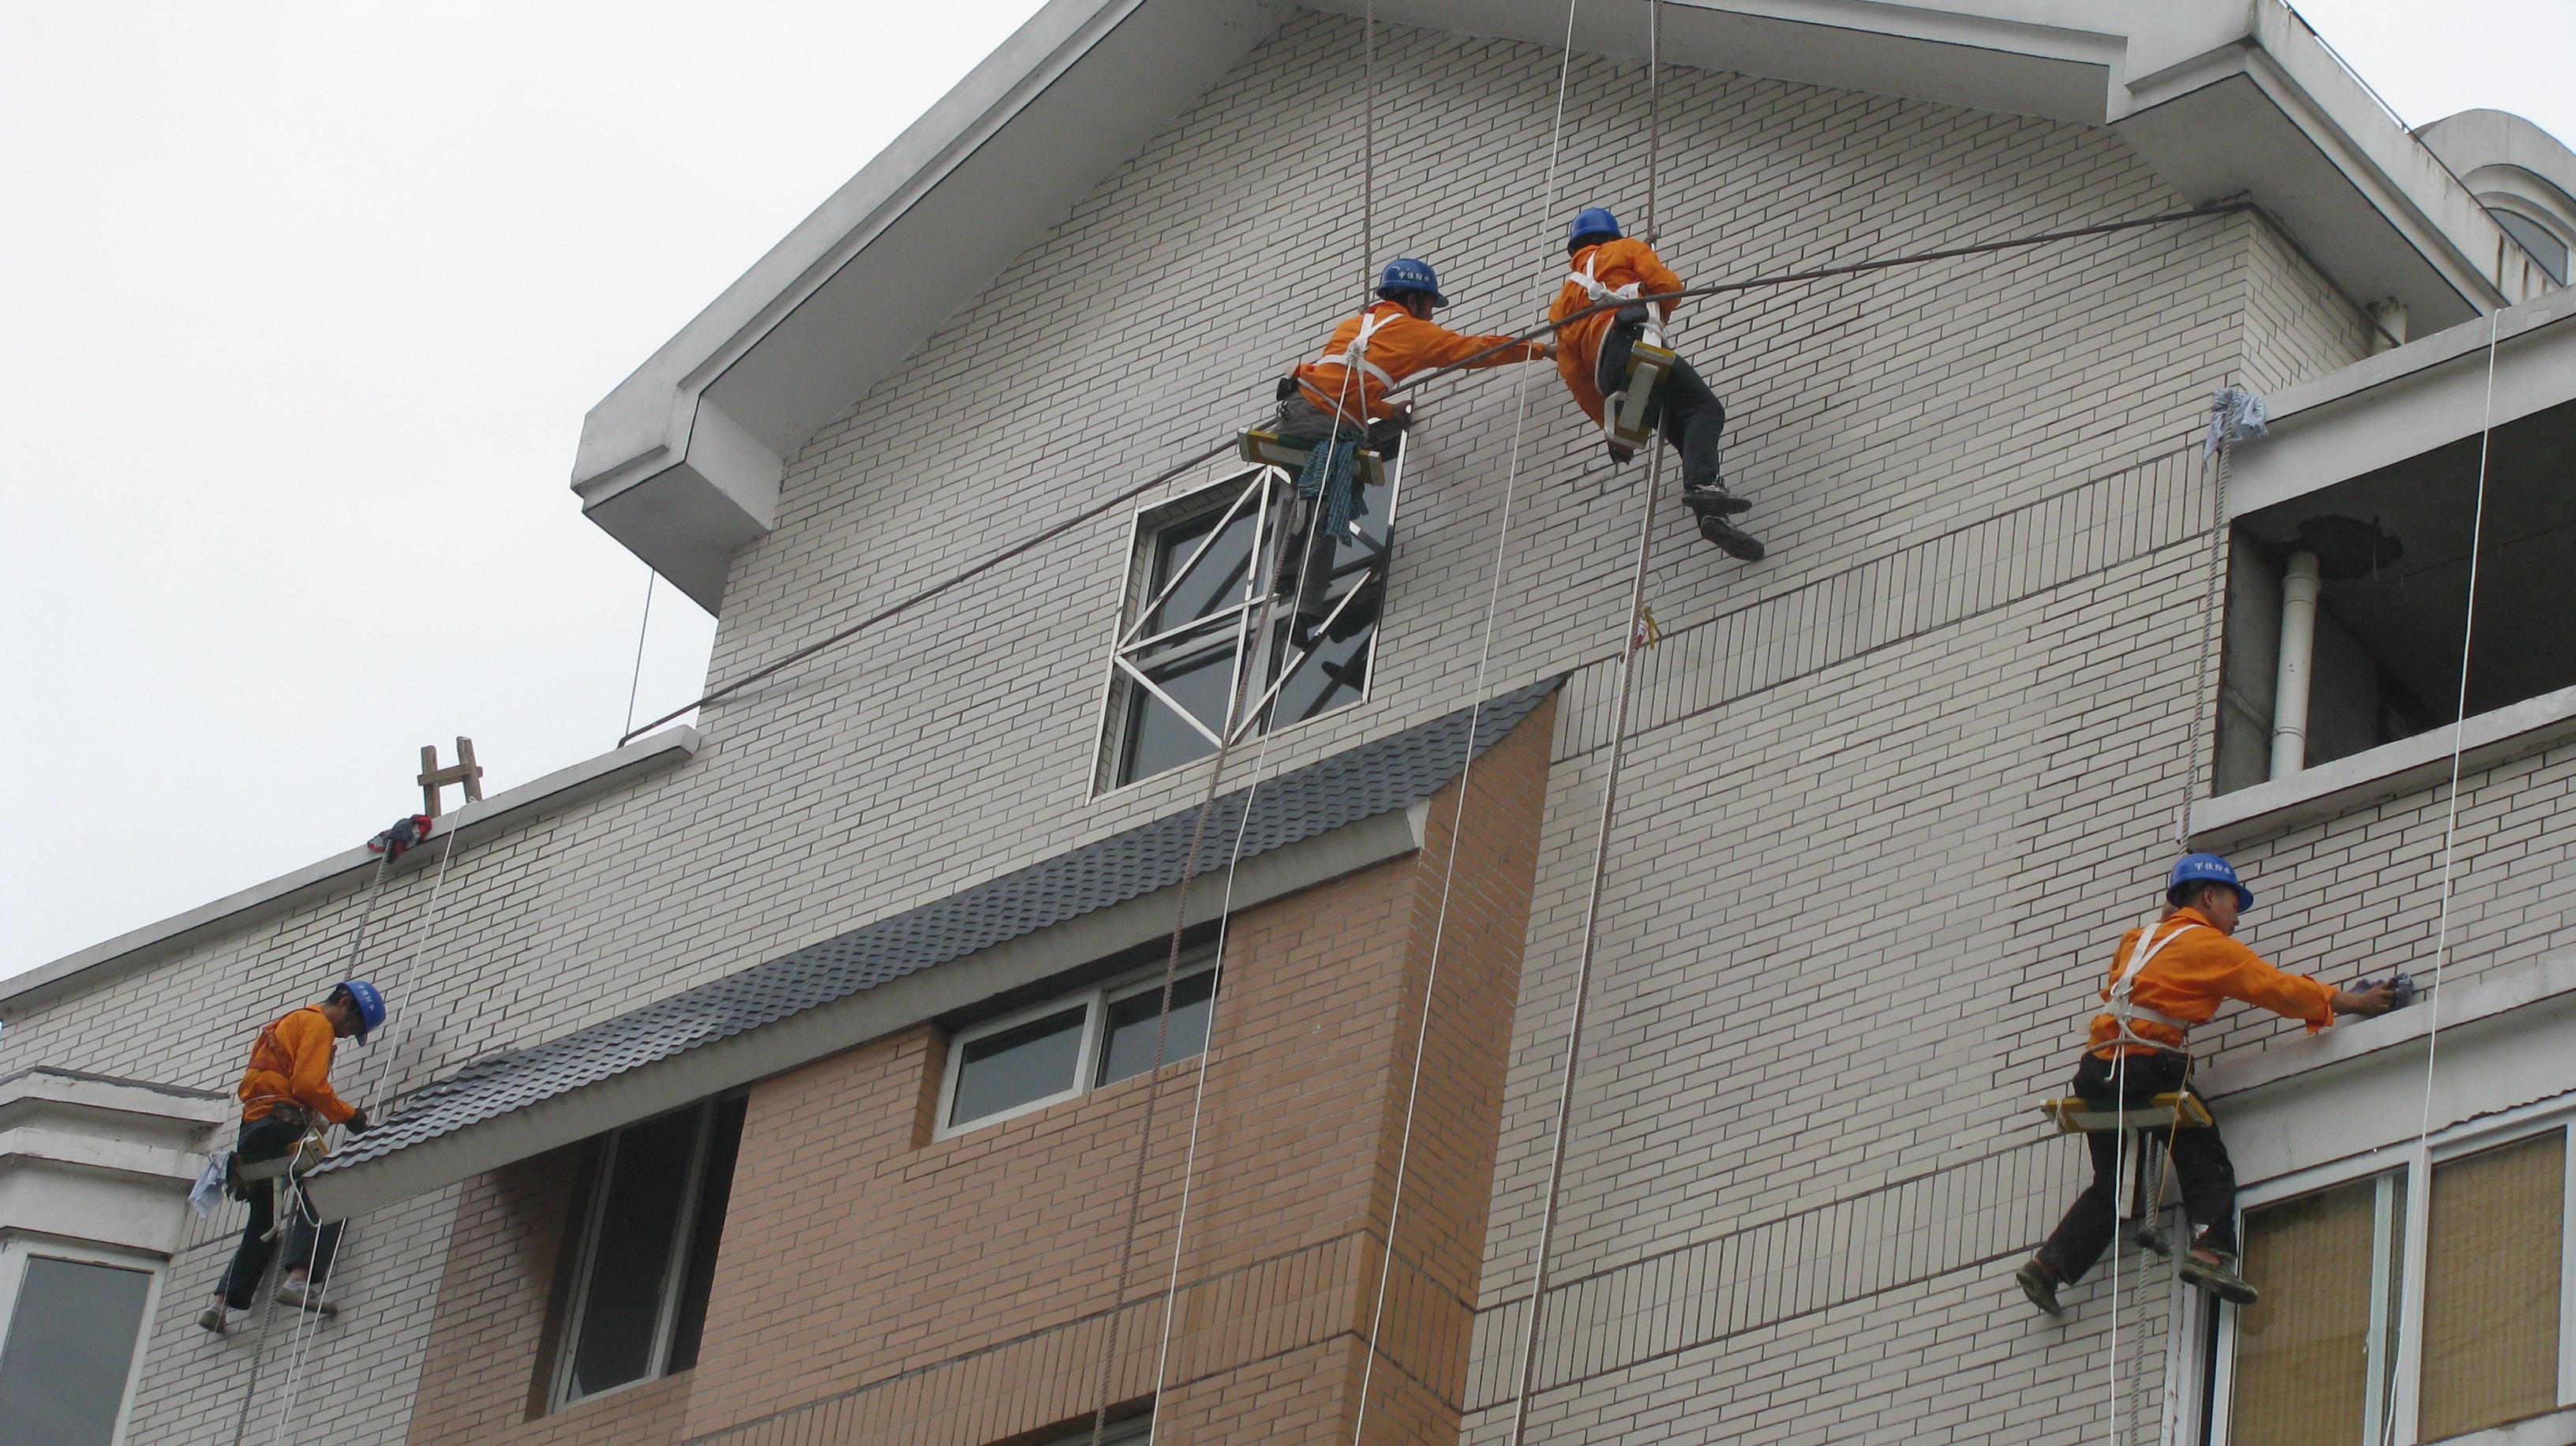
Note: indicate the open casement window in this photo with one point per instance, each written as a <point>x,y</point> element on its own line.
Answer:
<point>2364,586</point>
<point>2421,1304</point>
<point>648,1250</point>
<point>1188,673</point>
<point>71,1333</point>
<point>1076,1043</point>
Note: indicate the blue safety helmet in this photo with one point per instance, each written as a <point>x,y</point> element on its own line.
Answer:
<point>1406,274</point>
<point>1594,222</point>
<point>370,1002</point>
<point>2206,869</point>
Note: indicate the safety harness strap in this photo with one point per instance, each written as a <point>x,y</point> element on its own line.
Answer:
<point>2124,1010</point>
<point>1356,354</point>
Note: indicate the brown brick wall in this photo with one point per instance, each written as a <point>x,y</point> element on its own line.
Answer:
<point>877,1285</point>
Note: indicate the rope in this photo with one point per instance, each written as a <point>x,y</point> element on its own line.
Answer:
<point>2210,637</point>
<point>1827,273</point>
<point>635,684</point>
<point>1654,107</point>
<point>1466,780</point>
<point>2451,822</point>
<point>1591,936</point>
<point>1256,647</point>
<point>1368,153</point>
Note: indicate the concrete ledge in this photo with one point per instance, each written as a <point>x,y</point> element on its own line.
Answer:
<point>474,823</point>
<point>2375,775</point>
<point>101,1160</point>
<point>2361,1086</point>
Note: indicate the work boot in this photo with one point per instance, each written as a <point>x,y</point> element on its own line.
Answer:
<point>2038,1280</point>
<point>212,1318</point>
<point>2215,1271</point>
<point>1739,544</point>
<point>1714,500</point>
<point>305,1297</point>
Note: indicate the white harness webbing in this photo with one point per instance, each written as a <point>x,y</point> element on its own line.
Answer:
<point>1356,354</point>
<point>2124,1009</point>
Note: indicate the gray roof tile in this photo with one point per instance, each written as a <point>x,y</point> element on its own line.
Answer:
<point>1365,781</point>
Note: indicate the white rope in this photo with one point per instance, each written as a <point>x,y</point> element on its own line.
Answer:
<point>2451,822</point>
<point>643,630</point>
<point>1466,778</point>
<point>1629,648</point>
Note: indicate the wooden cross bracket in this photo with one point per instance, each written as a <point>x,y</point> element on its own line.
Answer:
<point>434,779</point>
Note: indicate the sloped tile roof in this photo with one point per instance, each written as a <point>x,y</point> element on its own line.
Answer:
<point>1374,778</point>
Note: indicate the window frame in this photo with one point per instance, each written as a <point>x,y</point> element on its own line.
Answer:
<point>666,1315</point>
<point>17,1250</point>
<point>1095,1001</point>
<point>1139,600</point>
<point>2412,1162</point>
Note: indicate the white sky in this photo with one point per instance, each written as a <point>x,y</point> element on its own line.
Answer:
<point>300,309</point>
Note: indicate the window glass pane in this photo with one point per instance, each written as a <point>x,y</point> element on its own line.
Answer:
<point>2535,238</point>
<point>1128,1048</point>
<point>1217,580</point>
<point>1336,673</point>
<point>71,1344</point>
<point>1028,1062</point>
<point>2303,1349</point>
<point>706,1232</point>
<point>630,1262</point>
<point>1157,739</point>
<point>2491,1286</point>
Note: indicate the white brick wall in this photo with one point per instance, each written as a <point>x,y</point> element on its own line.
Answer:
<point>1898,786</point>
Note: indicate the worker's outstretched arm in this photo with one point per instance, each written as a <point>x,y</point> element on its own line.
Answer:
<point>307,1036</point>
<point>1438,346</point>
<point>2252,979</point>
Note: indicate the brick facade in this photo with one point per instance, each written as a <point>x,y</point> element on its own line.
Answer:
<point>879,1283</point>
<point>1890,796</point>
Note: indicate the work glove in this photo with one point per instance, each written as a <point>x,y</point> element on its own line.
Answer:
<point>359,1124</point>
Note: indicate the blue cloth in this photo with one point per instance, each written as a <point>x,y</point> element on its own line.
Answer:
<point>1329,474</point>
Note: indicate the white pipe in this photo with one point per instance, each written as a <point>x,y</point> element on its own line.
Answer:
<point>2298,664</point>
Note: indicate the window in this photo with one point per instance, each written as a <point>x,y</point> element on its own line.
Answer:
<point>2409,1305</point>
<point>1187,673</point>
<point>2539,240</point>
<point>68,1360</point>
<point>1034,1057</point>
<point>648,1250</point>
<point>2385,556</point>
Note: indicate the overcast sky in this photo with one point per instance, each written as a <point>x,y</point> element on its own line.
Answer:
<point>300,309</point>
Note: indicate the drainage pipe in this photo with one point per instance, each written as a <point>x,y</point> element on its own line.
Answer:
<point>2298,664</point>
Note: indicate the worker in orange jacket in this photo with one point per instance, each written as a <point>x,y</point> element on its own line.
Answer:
<point>1370,353</point>
<point>1592,351</point>
<point>2166,978</point>
<point>286,1093</point>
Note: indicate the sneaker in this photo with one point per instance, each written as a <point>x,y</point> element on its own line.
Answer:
<point>2039,1283</point>
<point>2215,1271</point>
<point>1715,501</point>
<point>212,1318</point>
<point>305,1297</point>
<point>1737,542</point>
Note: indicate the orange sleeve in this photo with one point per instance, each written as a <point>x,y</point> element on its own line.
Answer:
<point>1438,346</point>
<point>2245,975</point>
<point>307,1036</point>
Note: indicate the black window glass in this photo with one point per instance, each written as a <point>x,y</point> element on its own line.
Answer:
<point>706,1232</point>
<point>1128,1048</point>
<point>1217,580</point>
<point>70,1347</point>
<point>630,1261</point>
<point>1158,738</point>
<point>1017,1065</point>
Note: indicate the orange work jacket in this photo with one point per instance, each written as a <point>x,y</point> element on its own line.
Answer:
<point>2189,976</point>
<point>292,1062</point>
<point>1400,344</point>
<point>1626,261</point>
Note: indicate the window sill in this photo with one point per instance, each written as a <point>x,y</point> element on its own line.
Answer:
<point>2375,775</point>
<point>2555,1428</point>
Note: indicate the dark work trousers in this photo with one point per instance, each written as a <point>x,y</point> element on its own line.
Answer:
<point>1694,419</point>
<point>268,1139</point>
<point>2199,1161</point>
